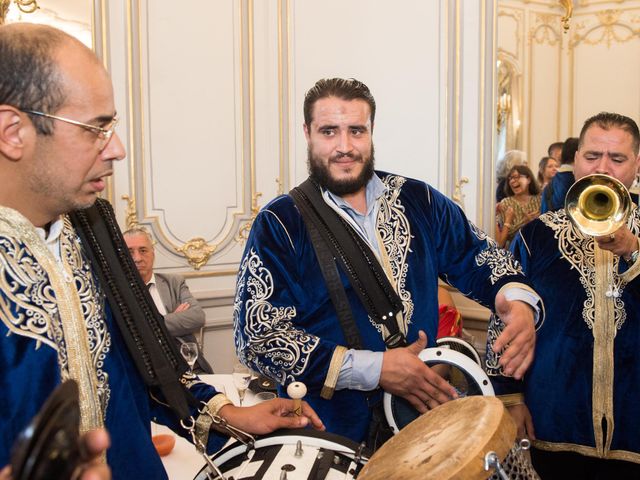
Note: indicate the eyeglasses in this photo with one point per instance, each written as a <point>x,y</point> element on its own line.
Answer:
<point>517,177</point>
<point>104,134</point>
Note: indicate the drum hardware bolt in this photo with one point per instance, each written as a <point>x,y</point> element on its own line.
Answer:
<point>320,455</point>
<point>336,460</point>
<point>491,461</point>
<point>438,353</point>
<point>287,467</point>
<point>524,444</point>
<point>283,475</point>
<point>299,450</point>
<point>358,456</point>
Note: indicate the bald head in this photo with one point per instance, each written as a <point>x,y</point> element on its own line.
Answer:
<point>29,74</point>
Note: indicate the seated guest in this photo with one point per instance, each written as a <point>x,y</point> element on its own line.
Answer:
<point>521,205</point>
<point>510,160</point>
<point>182,314</point>
<point>547,169</point>
<point>554,193</point>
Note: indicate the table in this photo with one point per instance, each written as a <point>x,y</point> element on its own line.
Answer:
<point>184,462</point>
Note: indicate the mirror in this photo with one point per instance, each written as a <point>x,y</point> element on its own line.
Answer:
<point>549,81</point>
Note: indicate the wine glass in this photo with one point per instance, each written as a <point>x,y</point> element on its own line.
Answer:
<point>189,351</point>
<point>241,379</point>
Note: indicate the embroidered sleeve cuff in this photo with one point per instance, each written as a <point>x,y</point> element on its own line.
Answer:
<point>511,399</point>
<point>524,293</point>
<point>334,371</point>
<point>633,270</point>
<point>204,421</point>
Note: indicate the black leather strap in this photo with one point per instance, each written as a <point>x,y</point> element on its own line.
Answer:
<point>355,257</point>
<point>139,322</point>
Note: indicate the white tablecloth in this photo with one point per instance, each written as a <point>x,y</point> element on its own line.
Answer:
<point>184,462</point>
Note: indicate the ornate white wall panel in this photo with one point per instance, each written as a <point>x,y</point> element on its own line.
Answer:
<point>211,98</point>
<point>394,47</point>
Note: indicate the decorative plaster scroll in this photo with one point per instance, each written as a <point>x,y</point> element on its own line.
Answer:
<point>610,29</point>
<point>243,231</point>
<point>458,196</point>
<point>131,216</point>
<point>544,31</point>
<point>197,252</point>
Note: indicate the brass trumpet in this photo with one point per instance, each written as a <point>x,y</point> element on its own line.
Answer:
<point>598,204</point>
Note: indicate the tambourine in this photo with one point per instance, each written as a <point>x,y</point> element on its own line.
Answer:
<point>49,446</point>
<point>465,374</point>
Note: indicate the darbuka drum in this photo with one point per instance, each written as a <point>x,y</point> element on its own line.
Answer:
<point>450,441</point>
<point>301,453</point>
<point>460,369</point>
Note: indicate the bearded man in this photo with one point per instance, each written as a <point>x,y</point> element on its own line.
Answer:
<point>300,318</point>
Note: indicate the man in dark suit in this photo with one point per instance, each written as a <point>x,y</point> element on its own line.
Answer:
<point>182,314</point>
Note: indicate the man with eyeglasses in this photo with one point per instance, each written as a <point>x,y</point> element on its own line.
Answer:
<point>72,305</point>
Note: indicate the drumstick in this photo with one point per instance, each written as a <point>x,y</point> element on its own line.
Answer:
<point>296,391</point>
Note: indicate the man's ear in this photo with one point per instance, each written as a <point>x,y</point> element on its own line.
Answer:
<point>12,133</point>
<point>305,127</point>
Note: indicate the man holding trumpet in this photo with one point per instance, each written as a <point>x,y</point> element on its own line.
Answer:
<point>579,401</point>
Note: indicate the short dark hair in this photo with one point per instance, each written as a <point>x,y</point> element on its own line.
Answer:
<point>569,150</point>
<point>346,89</point>
<point>607,120</point>
<point>534,188</point>
<point>553,146</point>
<point>29,76</point>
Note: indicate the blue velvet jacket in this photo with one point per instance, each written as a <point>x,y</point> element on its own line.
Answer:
<point>56,324</point>
<point>286,326</point>
<point>553,194</point>
<point>586,371</point>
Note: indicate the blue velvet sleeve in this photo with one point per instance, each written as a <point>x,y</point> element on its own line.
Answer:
<point>162,414</point>
<point>276,309</point>
<point>468,258</point>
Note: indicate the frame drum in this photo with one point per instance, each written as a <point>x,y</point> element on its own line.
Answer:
<point>460,370</point>
<point>301,453</point>
<point>448,442</point>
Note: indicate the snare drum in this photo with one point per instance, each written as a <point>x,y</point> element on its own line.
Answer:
<point>451,441</point>
<point>301,453</point>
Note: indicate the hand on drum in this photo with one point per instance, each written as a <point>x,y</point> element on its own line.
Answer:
<point>267,417</point>
<point>519,336</point>
<point>522,417</point>
<point>405,375</point>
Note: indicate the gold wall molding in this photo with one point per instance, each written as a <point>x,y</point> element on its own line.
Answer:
<point>197,251</point>
<point>130,213</point>
<point>568,12</point>
<point>458,195</point>
<point>544,31</point>
<point>610,29</point>
<point>243,232</point>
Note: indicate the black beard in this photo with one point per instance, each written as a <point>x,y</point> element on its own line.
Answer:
<point>320,173</point>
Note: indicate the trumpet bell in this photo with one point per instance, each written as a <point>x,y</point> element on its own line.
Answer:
<point>598,204</point>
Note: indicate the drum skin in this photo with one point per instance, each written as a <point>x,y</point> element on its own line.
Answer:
<point>448,442</point>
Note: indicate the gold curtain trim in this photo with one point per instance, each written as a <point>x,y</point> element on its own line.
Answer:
<point>331,380</point>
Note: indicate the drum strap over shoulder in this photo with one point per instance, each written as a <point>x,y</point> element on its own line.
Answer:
<point>141,325</point>
<point>334,240</point>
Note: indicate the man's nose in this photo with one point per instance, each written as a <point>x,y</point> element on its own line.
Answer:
<point>114,150</point>
<point>344,143</point>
